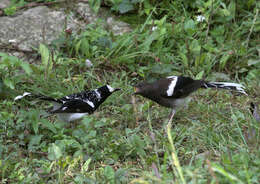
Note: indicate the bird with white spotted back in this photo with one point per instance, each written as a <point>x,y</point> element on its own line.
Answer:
<point>73,107</point>
<point>174,91</point>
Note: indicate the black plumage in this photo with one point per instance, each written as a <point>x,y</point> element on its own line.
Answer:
<point>75,106</point>
<point>173,91</point>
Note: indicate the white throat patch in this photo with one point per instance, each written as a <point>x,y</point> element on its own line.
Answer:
<point>172,85</point>
<point>110,89</point>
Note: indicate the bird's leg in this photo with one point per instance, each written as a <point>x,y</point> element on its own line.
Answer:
<point>170,120</point>
<point>171,115</point>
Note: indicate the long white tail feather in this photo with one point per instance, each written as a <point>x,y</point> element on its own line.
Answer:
<point>226,85</point>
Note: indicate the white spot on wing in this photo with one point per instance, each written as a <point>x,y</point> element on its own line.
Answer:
<point>172,85</point>
<point>64,108</point>
<point>110,89</point>
<point>21,96</point>
<point>97,93</point>
<point>89,103</point>
<point>171,77</point>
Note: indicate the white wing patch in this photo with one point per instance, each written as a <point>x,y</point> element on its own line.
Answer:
<point>171,77</point>
<point>110,88</point>
<point>98,94</point>
<point>21,96</point>
<point>90,103</point>
<point>172,85</point>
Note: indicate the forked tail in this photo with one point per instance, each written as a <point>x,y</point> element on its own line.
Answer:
<point>225,85</point>
<point>34,96</point>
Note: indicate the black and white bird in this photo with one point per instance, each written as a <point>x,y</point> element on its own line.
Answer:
<point>73,107</point>
<point>172,92</point>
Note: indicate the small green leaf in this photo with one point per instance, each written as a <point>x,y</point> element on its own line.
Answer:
<point>95,5</point>
<point>45,55</point>
<point>9,83</point>
<point>35,125</point>
<point>253,62</point>
<point>200,75</point>
<point>184,60</point>
<point>224,60</point>
<point>224,173</point>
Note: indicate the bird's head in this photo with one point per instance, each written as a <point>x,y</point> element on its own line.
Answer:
<point>141,88</point>
<point>110,89</point>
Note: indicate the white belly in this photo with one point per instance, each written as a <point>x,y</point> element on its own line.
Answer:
<point>68,117</point>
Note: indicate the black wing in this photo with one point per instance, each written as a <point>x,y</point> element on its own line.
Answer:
<point>80,95</point>
<point>74,106</point>
<point>184,86</point>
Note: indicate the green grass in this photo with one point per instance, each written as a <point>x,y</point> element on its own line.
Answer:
<point>214,139</point>
<point>115,143</point>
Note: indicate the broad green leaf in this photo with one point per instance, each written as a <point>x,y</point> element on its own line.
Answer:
<point>232,8</point>
<point>224,60</point>
<point>125,6</point>
<point>50,126</point>
<point>54,152</point>
<point>35,125</point>
<point>190,27</point>
<point>85,47</point>
<point>35,140</point>
<point>9,83</point>
<point>253,62</point>
<point>77,46</point>
<point>95,5</point>
<point>26,67</point>
<point>195,47</point>
<point>185,61</point>
<point>109,174</point>
<point>85,166</point>
<point>100,124</point>
<point>200,75</point>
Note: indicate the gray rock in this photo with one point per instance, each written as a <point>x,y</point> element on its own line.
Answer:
<point>27,30</point>
<point>4,3</point>
<point>109,21</point>
<point>41,24</point>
